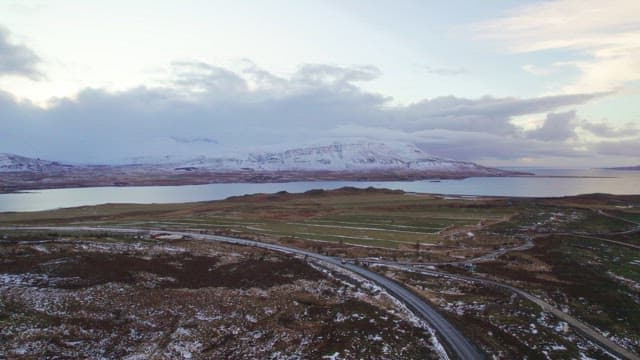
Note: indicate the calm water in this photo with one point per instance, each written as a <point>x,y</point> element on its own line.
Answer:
<point>545,184</point>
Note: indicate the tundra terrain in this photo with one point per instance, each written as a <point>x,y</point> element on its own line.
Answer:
<point>535,278</point>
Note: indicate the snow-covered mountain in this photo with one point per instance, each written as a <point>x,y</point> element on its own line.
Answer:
<point>361,161</point>
<point>15,163</point>
<point>352,157</point>
<point>360,157</point>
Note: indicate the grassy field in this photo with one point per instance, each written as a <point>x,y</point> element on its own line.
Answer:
<point>359,217</point>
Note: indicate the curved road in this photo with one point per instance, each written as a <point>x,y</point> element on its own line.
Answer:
<point>456,343</point>
<point>583,328</point>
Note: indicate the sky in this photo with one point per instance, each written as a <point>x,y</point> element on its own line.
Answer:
<point>502,83</point>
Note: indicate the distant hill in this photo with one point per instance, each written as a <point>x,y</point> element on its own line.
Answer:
<point>17,163</point>
<point>625,168</point>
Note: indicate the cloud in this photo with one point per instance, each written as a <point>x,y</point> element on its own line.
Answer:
<point>317,74</point>
<point>602,129</point>
<point>478,147</point>
<point>262,79</point>
<point>200,77</point>
<point>602,36</point>
<point>486,114</point>
<point>17,60</point>
<point>444,71</point>
<point>536,70</point>
<point>196,139</point>
<point>630,148</point>
<point>204,109</point>
<point>556,127</point>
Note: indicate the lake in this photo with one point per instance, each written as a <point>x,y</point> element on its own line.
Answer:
<point>546,183</point>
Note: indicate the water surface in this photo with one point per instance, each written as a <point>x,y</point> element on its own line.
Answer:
<point>548,182</point>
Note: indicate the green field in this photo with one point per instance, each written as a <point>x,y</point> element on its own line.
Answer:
<point>371,218</point>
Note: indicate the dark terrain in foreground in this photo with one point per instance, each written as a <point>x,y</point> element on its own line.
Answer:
<point>579,255</point>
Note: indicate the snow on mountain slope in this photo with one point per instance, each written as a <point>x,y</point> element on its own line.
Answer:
<point>337,157</point>
<point>342,157</point>
<point>15,163</point>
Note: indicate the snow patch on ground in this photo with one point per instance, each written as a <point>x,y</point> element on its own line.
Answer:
<point>334,356</point>
<point>404,312</point>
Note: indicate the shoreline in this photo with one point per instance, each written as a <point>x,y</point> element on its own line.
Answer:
<point>16,182</point>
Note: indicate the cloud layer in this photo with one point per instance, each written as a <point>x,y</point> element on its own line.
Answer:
<point>203,109</point>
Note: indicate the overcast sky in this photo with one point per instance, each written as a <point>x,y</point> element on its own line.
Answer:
<point>529,83</point>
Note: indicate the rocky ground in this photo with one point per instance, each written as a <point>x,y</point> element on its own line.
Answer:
<point>504,325</point>
<point>137,298</point>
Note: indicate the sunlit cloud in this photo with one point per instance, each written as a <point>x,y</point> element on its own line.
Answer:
<point>604,36</point>
<point>537,70</point>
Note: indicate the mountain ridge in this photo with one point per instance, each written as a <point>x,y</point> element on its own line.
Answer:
<point>371,156</point>
<point>335,162</point>
<point>632,168</point>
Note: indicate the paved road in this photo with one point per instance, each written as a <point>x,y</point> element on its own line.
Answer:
<point>583,328</point>
<point>456,343</point>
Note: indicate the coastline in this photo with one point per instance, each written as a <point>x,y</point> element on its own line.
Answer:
<point>16,182</point>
